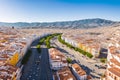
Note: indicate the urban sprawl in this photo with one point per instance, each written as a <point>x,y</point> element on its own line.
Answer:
<point>71,55</point>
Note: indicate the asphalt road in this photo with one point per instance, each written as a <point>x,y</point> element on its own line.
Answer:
<point>38,67</point>
<point>28,68</point>
<point>46,72</point>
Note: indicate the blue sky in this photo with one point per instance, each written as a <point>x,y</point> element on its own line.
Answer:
<point>58,10</point>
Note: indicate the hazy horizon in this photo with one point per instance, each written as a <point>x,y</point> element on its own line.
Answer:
<point>58,10</point>
<point>58,21</point>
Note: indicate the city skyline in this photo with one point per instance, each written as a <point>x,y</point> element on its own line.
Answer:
<point>57,10</point>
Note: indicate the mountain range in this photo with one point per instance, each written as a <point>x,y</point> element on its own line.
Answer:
<point>85,23</point>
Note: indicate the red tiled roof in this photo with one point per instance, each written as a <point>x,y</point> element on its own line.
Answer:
<point>79,70</point>
<point>115,71</point>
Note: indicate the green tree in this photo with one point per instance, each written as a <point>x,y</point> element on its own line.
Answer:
<point>69,60</point>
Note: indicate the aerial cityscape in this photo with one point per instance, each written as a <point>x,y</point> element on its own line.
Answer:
<point>59,40</point>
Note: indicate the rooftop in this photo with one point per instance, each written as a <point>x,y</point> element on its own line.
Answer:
<point>6,71</point>
<point>78,69</point>
<point>115,62</point>
<point>56,55</point>
<point>115,71</point>
<point>65,74</point>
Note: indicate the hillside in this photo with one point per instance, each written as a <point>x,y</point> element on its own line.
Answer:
<point>86,23</point>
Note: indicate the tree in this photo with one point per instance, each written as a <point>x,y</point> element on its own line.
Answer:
<point>69,60</point>
<point>103,60</point>
<point>75,48</point>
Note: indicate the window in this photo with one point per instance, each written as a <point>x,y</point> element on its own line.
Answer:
<point>115,78</point>
<point>109,74</point>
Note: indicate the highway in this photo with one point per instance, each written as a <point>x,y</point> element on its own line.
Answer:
<point>38,67</point>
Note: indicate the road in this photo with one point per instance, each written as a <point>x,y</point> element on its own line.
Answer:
<point>38,67</point>
<point>46,72</point>
<point>87,64</point>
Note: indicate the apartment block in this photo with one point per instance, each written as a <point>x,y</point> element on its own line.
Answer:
<point>79,73</point>
<point>84,42</point>
<point>13,46</point>
<point>113,65</point>
<point>9,72</point>
<point>57,59</point>
<point>64,74</point>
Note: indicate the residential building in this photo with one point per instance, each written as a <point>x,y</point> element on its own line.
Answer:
<point>113,65</point>
<point>57,59</point>
<point>88,44</point>
<point>9,72</point>
<point>13,46</point>
<point>79,73</point>
<point>64,74</point>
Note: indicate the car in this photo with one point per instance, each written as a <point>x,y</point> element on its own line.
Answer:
<point>34,73</point>
<point>40,57</point>
<point>102,67</point>
<point>96,65</point>
<point>37,62</point>
<point>30,76</point>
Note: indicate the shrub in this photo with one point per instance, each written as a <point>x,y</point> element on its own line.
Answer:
<point>89,55</point>
<point>75,48</point>
<point>38,48</point>
<point>48,38</point>
<point>69,60</point>
<point>103,60</point>
<point>41,41</point>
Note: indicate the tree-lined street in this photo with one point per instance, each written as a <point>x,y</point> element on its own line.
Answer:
<point>87,64</point>
<point>38,67</point>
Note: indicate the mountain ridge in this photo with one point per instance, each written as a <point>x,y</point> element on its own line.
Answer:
<point>84,23</point>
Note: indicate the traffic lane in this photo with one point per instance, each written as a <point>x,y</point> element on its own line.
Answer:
<point>43,75</point>
<point>34,72</point>
<point>31,61</point>
<point>46,72</point>
<point>34,69</point>
<point>27,67</point>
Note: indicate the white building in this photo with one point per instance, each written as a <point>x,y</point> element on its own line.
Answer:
<point>57,59</point>
<point>79,73</point>
<point>63,74</point>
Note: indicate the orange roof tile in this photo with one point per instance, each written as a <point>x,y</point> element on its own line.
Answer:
<point>115,71</point>
<point>79,70</point>
<point>65,74</point>
<point>115,62</point>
